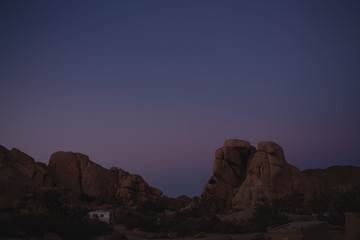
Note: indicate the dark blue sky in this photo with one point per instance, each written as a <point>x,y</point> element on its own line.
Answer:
<point>154,87</point>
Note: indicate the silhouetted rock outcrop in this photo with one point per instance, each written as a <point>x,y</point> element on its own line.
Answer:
<point>269,177</point>
<point>68,174</point>
<point>132,188</point>
<point>244,176</point>
<point>229,170</point>
<point>75,172</point>
<point>21,178</point>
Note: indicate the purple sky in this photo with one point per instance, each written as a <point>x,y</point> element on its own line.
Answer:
<point>154,87</point>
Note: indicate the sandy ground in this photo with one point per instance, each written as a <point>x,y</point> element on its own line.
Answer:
<point>211,236</point>
<point>334,234</point>
<point>248,236</point>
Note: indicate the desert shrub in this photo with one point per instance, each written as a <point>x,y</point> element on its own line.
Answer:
<point>293,203</point>
<point>346,201</point>
<point>7,210</point>
<point>86,198</point>
<point>147,223</point>
<point>52,202</point>
<point>146,218</point>
<point>68,227</point>
<point>190,223</point>
<point>265,216</point>
<point>319,203</point>
<point>184,223</point>
<point>186,226</point>
<point>121,214</point>
<point>215,205</point>
<point>151,207</point>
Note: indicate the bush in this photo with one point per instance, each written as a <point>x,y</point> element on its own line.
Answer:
<point>151,207</point>
<point>187,223</point>
<point>87,198</point>
<point>68,227</point>
<point>265,216</point>
<point>319,203</point>
<point>293,203</point>
<point>52,202</point>
<point>346,201</point>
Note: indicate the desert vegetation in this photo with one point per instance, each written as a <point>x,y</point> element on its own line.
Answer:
<point>67,226</point>
<point>334,202</point>
<point>151,217</point>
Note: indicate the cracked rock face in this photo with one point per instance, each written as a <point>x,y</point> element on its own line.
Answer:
<point>76,173</point>
<point>20,177</point>
<point>69,174</point>
<point>244,176</point>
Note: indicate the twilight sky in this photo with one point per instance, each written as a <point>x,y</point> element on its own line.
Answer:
<point>154,87</point>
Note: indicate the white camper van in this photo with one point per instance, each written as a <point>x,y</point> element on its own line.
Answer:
<point>105,216</point>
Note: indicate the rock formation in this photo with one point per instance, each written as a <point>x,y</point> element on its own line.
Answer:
<point>77,174</point>
<point>21,177</point>
<point>132,188</point>
<point>71,175</point>
<point>229,170</point>
<point>244,176</point>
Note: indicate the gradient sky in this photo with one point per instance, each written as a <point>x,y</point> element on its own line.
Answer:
<point>154,87</point>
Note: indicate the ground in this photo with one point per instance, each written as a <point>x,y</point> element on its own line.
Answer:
<point>335,233</point>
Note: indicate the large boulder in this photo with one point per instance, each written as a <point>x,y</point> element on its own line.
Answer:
<point>14,185</point>
<point>229,170</point>
<point>77,174</point>
<point>245,177</point>
<point>270,177</point>
<point>66,169</point>
<point>99,182</point>
<point>133,189</point>
<point>215,191</point>
<point>21,178</point>
<point>271,148</point>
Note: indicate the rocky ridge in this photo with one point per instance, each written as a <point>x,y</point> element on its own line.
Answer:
<point>242,177</point>
<point>77,174</point>
<point>72,176</point>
